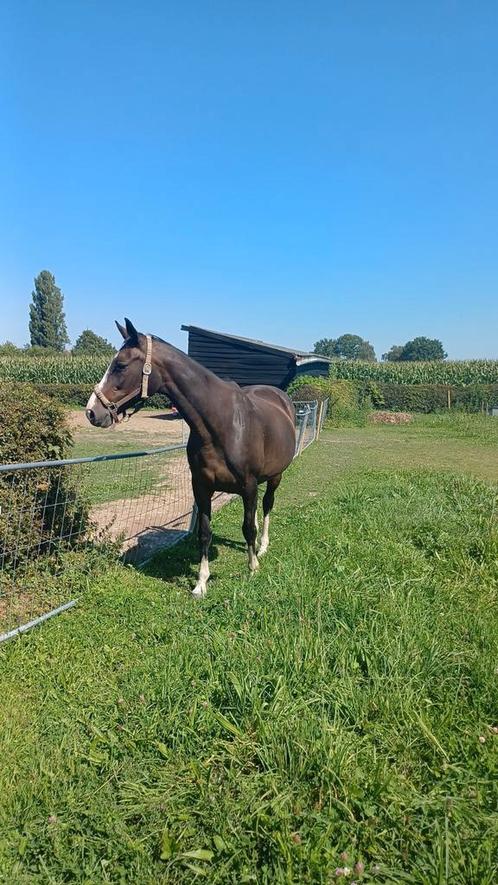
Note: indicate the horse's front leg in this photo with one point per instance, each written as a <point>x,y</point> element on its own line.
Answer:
<point>250,499</point>
<point>203,501</point>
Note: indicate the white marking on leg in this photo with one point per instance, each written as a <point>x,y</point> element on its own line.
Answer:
<point>265,540</point>
<point>201,589</point>
<point>253,560</point>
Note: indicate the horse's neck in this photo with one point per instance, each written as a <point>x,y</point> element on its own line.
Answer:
<point>191,388</point>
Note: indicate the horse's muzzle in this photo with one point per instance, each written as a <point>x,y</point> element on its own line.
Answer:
<point>103,420</point>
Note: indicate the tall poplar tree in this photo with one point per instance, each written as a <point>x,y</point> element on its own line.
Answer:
<point>47,321</point>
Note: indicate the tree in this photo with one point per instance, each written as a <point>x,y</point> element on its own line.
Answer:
<point>8,349</point>
<point>325,347</point>
<point>47,322</point>
<point>347,347</point>
<point>89,342</point>
<point>394,354</point>
<point>423,349</point>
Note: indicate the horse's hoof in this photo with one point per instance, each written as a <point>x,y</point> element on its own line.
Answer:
<point>199,592</point>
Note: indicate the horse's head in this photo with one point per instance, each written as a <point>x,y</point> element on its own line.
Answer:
<point>128,379</point>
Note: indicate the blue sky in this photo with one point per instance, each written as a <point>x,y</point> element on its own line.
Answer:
<point>283,170</point>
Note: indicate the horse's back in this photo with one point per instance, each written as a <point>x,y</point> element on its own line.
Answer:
<point>272,395</point>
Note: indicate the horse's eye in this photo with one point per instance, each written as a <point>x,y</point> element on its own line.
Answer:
<point>118,367</point>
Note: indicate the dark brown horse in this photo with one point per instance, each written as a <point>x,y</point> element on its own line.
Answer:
<point>239,437</point>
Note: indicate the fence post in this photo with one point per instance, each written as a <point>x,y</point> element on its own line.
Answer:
<point>301,433</point>
<point>325,411</point>
<point>319,420</point>
<point>449,397</point>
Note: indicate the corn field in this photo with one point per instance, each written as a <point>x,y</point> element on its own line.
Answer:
<point>67,369</point>
<point>53,369</point>
<point>459,373</point>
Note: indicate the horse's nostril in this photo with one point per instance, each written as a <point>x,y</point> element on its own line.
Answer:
<point>90,415</point>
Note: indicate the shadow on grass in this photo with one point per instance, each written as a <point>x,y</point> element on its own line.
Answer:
<point>180,563</point>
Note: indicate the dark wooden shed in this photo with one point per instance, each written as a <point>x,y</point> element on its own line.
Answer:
<point>247,361</point>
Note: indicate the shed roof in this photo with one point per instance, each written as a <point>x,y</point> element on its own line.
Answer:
<point>299,355</point>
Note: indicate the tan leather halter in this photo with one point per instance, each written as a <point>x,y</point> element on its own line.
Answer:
<point>143,390</point>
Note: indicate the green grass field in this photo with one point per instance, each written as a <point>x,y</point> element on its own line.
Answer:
<point>343,700</point>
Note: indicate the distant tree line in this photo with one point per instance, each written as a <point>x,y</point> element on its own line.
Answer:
<point>346,347</point>
<point>421,348</point>
<point>353,347</point>
<point>89,342</point>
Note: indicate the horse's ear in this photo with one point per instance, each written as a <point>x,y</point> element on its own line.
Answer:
<point>131,331</point>
<point>121,329</point>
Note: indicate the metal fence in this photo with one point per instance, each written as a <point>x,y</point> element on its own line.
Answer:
<point>56,518</point>
<point>310,418</point>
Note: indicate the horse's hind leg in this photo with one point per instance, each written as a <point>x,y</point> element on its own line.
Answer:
<point>268,499</point>
<point>203,501</point>
<point>250,499</point>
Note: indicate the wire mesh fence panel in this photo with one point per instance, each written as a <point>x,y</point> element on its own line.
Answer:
<point>54,517</point>
<point>150,504</point>
<point>41,515</point>
<point>306,424</point>
<point>310,434</point>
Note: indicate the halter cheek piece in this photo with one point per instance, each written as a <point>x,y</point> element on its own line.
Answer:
<point>142,391</point>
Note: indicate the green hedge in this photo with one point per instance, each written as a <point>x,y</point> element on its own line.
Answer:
<point>69,394</point>
<point>36,506</point>
<point>347,404</point>
<point>431,397</point>
<point>78,394</point>
<point>346,397</point>
<point>308,388</point>
<point>353,397</point>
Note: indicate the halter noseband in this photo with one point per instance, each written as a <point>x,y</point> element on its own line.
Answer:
<point>142,391</point>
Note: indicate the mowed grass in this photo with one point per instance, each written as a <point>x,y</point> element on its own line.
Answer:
<point>343,700</point>
<point>450,443</point>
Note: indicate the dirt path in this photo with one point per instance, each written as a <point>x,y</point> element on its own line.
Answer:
<point>151,425</point>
